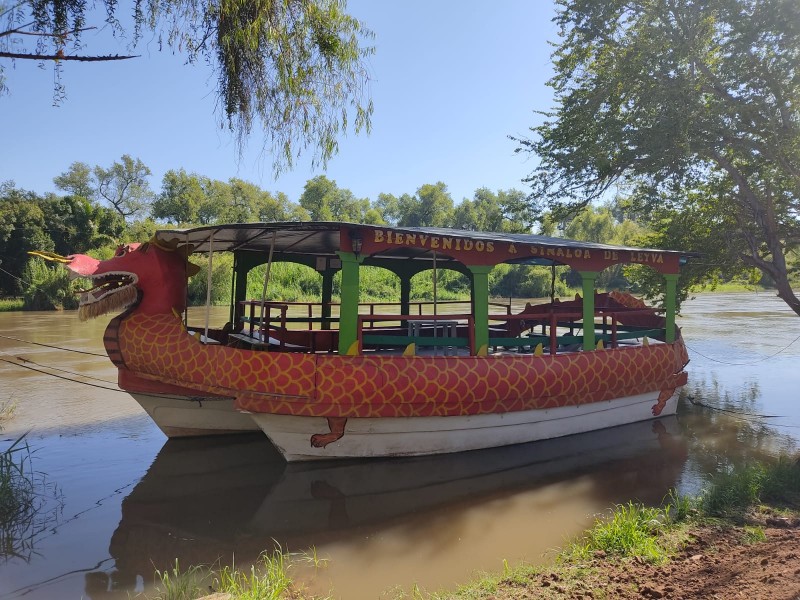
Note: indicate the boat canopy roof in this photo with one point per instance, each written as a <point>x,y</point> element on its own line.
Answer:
<point>383,242</point>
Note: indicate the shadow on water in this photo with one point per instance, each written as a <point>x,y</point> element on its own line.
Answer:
<point>203,501</point>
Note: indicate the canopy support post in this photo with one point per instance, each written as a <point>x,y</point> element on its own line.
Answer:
<point>261,326</point>
<point>348,312</point>
<point>588,278</point>
<point>670,303</point>
<point>209,281</point>
<point>480,303</point>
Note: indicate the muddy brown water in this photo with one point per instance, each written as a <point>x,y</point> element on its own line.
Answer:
<point>119,501</point>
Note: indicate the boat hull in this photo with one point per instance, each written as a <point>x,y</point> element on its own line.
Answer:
<point>414,436</point>
<point>178,416</point>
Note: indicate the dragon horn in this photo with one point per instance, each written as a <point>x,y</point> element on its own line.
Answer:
<point>50,256</point>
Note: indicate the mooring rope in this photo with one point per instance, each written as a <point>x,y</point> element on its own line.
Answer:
<point>102,387</point>
<point>8,337</point>
<point>744,364</point>
<point>733,412</point>
<point>33,362</point>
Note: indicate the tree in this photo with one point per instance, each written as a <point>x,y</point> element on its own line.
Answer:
<point>22,228</point>
<point>686,105</point>
<point>181,198</point>
<point>77,181</point>
<point>124,186</point>
<point>431,207</point>
<point>295,69</point>
<point>326,201</point>
<point>487,211</point>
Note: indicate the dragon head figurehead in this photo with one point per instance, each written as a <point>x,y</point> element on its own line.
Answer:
<point>151,276</point>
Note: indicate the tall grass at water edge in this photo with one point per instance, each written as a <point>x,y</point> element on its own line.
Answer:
<point>267,579</point>
<point>11,304</point>
<point>29,504</point>
<point>17,495</point>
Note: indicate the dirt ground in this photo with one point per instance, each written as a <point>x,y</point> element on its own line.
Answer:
<point>717,562</point>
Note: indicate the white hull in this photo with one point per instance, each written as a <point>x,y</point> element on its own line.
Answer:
<point>184,417</point>
<point>413,436</point>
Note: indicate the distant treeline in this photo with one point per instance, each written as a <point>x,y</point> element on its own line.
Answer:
<point>102,207</point>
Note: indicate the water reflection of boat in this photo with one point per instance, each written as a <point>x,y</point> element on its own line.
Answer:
<point>204,500</point>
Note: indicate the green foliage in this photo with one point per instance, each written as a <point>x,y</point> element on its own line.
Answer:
<point>266,579</point>
<point>28,504</point>
<point>77,181</point>
<point>220,280</point>
<point>190,199</point>
<point>16,489</point>
<point>631,530</point>
<point>138,231</point>
<point>522,281</point>
<point>124,186</point>
<point>63,224</point>
<point>754,535</point>
<point>293,69</point>
<point>450,285</point>
<point>732,494</point>
<point>47,287</point>
<point>22,228</point>
<point>431,207</point>
<point>11,304</point>
<point>323,200</point>
<point>176,584</point>
<point>690,108</point>
<point>505,211</point>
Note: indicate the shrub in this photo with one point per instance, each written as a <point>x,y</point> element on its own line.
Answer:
<point>47,287</point>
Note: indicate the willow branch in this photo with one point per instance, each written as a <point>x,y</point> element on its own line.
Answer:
<point>21,31</point>
<point>57,57</point>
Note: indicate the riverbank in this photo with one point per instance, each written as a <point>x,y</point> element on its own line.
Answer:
<point>757,561</point>
<point>739,539</point>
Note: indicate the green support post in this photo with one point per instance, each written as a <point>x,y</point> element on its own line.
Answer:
<point>348,315</point>
<point>588,278</point>
<point>239,292</point>
<point>405,293</point>
<point>327,296</point>
<point>480,304</point>
<point>670,302</point>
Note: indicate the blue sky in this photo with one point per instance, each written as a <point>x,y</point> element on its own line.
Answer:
<point>450,81</point>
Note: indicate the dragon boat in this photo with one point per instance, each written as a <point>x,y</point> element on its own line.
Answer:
<point>352,379</point>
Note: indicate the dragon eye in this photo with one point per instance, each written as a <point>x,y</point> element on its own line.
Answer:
<point>121,250</point>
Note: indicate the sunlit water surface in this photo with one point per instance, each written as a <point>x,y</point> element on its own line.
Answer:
<point>119,501</point>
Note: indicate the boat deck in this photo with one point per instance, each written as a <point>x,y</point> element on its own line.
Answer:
<point>539,329</point>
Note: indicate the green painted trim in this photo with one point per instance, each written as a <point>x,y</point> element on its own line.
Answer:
<point>480,303</point>
<point>588,278</point>
<point>670,303</point>
<point>348,317</point>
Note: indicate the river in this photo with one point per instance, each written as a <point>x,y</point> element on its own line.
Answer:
<point>119,501</point>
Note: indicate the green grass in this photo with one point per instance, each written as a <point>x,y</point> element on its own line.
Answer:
<point>732,494</point>
<point>630,530</point>
<point>7,408</point>
<point>29,504</point>
<point>17,498</point>
<point>267,579</point>
<point>11,304</point>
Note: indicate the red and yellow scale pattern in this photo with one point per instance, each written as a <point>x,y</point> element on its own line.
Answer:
<point>157,347</point>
